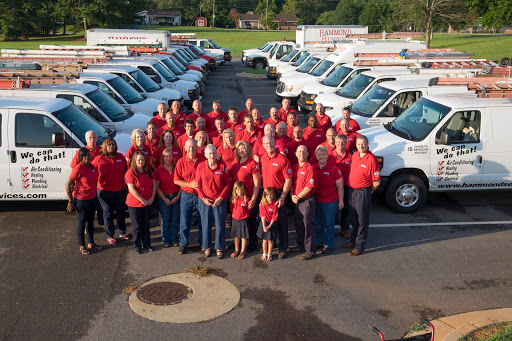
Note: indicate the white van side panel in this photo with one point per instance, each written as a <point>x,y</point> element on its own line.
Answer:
<point>498,163</point>
<point>5,179</point>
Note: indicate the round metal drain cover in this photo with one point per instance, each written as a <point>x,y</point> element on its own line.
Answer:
<point>164,293</point>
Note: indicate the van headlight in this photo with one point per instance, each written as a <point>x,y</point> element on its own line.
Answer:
<point>326,108</point>
<point>288,88</point>
<point>380,159</point>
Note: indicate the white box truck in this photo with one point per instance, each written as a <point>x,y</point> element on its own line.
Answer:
<point>108,36</point>
<point>321,34</point>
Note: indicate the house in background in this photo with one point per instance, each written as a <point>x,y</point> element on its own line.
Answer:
<point>286,21</point>
<point>153,17</point>
<point>250,20</point>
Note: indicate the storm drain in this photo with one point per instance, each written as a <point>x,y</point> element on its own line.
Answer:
<point>184,298</point>
<point>164,293</point>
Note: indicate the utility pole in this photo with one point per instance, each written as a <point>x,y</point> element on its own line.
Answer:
<point>213,16</point>
<point>266,17</point>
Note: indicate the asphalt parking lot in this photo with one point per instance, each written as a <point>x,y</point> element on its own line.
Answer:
<point>451,256</point>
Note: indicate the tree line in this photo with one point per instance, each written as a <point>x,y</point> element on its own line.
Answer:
<point>23,19</point>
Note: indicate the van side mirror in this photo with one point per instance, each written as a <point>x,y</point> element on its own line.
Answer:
<point>444,138</point>
<point>392,110</point>
<point>58,140</point>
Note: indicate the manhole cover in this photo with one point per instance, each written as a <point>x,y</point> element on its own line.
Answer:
<point>164,293</point>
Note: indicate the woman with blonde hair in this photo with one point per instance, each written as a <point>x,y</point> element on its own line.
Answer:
<point>226,152</point>
<point>138,140</point>
<point>202,140</point>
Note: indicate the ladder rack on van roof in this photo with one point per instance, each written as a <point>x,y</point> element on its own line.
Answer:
<point>501,69</point>
<point>396,54</point>
<point>384,35</point>
<point>40,77</point>
<point>428,62</point>
<point>14,84</point>
<point>468,80</point>
<point>47,66</point>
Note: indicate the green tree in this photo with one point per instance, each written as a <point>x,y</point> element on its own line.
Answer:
<point>325,18</point>
<point>346,13</point>
<point>374,15</point>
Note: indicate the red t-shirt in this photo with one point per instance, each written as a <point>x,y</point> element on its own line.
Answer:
<point>244,172</point>
<point>314,138</point>
<point>212,115</point>
<point>86,179</point>
<point>274,123</point>
<point>241,115</point>
<point>216,138</point>
<point>213,183</point>
<point>230,125</point>
<point>178,131</point>
<point>259,125</point>
<point>152,144</point>
<point>351,141</point>
<point>250,137</point>
<point>143,185</point>
<point>193,116</point>
<point>186,171</point>
<point>363,170</point>
<point>166,179</point>
<point>283,114</point>
<point>258,149</point>
<point>276,169</point>
<point>94,153</point>
<point>343,163</point>
<point>353,126</point>
<point>329,148</point>
<point>326,190</point>
<point>147,153</point>
<point>292,149</point>
<point>303,176</point>
<point>289,132</point>
<point>269,212</point>
<point>240,209</point>
<point>227,154</point>
<point>180,119</point>
<point>157,154</point>
<point>324,122</point>
<point>160,122</point>
<point>111,172</point>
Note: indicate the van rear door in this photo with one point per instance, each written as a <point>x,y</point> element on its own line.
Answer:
<point>498,163</point>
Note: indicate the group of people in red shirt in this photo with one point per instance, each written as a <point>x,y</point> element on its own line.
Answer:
<point>234,162</point>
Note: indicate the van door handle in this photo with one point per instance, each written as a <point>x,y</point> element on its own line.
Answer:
<point>12,153</point>
<point>479,159</point>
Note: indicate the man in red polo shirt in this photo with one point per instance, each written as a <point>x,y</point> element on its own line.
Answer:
<point>351,136</point>
<point>292,146</point>
<point>277,173</point>
<point>233,122</point>
<point>216,136</point>
<point>269,130</point>
<point>179,116</point>
<point>281,132</point>
<point>330,144</point>
<point>250,134</point>
<point>171,125</point>
<point>303,196</point>
<point>256,116</point>
<point>291,121</point>
<point>184,175</point>
<point>363,179</point>
<point>189,134</point>
<point>197,106</point>
<point>152,139</point>
<point>341,158</point>
<point>285,110</point>
<point>249,105</point>
<point>324,121</point>
<point>217,112</point>
<point>159,119</point>
<point>274,117</point>
<point>314,135</point>
<point>353,125</point>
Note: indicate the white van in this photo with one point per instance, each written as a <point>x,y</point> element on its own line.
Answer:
<point>100,106</point>
<point>39,138</point>
<point>384,102</point>
<point>443,143</point>
<point>290,58</point>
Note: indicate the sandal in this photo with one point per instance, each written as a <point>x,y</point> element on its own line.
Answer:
<point>207,252</point>
<point>235,254</point>
<point>242,255</point>
<point>269,257</point>
<point>94,246</point>
<point>264,257</point>
<point>220,254</point>
<point>83,250</point>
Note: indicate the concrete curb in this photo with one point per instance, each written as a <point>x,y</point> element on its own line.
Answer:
<point>251,75</point>
<point>451,328</point>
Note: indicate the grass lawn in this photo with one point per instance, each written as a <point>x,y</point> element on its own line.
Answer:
<point>486,46</point>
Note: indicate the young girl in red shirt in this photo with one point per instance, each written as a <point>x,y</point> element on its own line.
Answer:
<point>240,224</point>
<point>267,230</point>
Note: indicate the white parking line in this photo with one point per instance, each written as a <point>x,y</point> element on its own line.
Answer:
<point>448,223</point>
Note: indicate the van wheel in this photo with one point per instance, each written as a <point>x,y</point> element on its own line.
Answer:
<point>259,64</point>
<point>405,193</point>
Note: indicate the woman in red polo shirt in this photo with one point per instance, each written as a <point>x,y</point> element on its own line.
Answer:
<point>141,194</point>
<point>167,140</point>
<point>227,150</point>
<point>202,140</point>
<point>111,167</point>
<point>138,144</point>
<point>85,177</point>
<point>329,199</point>
<point>168,199</point>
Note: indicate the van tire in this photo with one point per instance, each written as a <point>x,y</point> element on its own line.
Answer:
<point>405,193</point>
<point>258,64</point>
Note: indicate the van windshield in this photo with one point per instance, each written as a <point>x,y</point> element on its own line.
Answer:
<point>165,72</point>
<point>178,64</point>
<point>115,111</point>
<point>79,123</point>
<point>170,64</point>
<point>147,83</point>
<point>126,90</point>
<point>417,121</point>
<point>262,46</point>
<point>214,44</point>
<point>268,47</point>
<point>371,101</point>
<point>321,68</point>
<point>355,87</point>
<point>289,56</point>
<point>273,51</point>
<point>301,59</point>
<point>197,49</point>
<point>308,65</point>
<point>335,78</point>
<point>180,58</point>
<point>184,55</point>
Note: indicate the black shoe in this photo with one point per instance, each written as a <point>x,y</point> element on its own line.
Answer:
<point>150,248</point>
<point>139,251</point>
<point>182,250</point>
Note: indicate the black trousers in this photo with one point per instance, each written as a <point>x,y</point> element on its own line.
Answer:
<point>140,226</point>
<point>359,205</point>
<point>85,219</point>
<point>282,223</point>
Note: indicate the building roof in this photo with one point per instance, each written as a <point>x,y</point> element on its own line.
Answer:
<point>250,16</point>
<point>155,13</point>
<point>285,17</point>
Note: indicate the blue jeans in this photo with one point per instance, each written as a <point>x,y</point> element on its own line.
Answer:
<point>85,219</point>
<point>324,223</point>
<point>170,220</point>
<point>209,216</point>
<point>188,202</point>
<point>110,202</point>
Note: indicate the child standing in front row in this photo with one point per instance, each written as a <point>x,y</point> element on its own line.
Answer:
<point>267,229</point>
<point>240,224</point>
